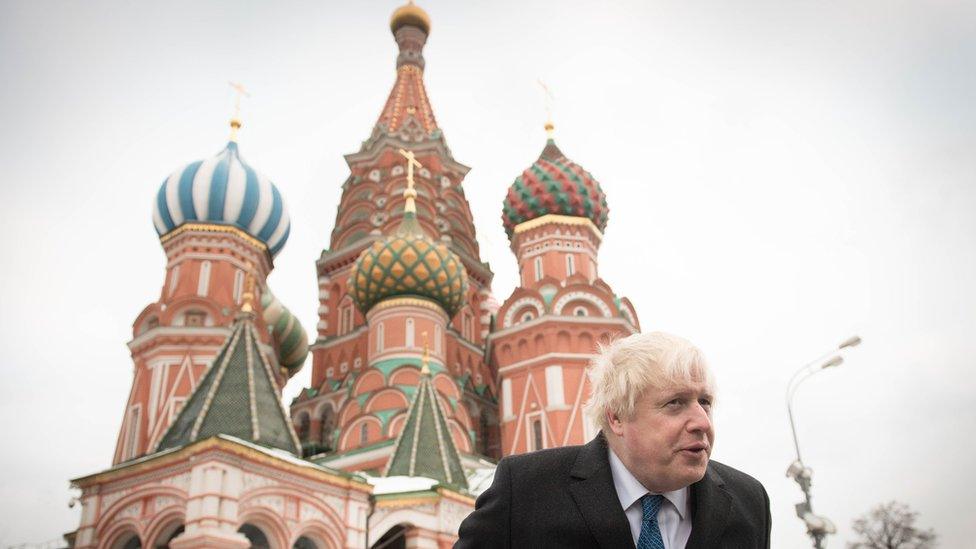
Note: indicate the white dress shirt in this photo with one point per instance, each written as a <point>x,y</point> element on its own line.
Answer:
<point>673,518</point>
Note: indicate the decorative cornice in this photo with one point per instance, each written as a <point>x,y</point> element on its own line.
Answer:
<point>590,320</point>
<point>214,228</point>
<point>231,446</point>
<point>407,499</point>
<point>401,301</point>
<point>557,219</point>
<point>182,332</point>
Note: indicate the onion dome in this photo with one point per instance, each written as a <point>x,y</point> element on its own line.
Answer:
<point>409,263</point>
<point>556,185</point>
<point>410,14</point>
<point>289,337</point>
<point>223,190</point>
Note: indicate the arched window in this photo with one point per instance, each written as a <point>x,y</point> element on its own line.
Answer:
<point>538,441</point>
<point>363,433</point>
<point>345,318</point>
<point>238,286</point>
<point>437,339</point>
<point>167,535</point>
<point>380,335</point>
<point>174,278</point>
<point>409,334</point>
<point>538,269</point>
<point>303,424</point>
<point>254,534</point>
<point>204,285</point>
<point>469,322</point>
<point>128,541</point>
<point>328,425</point>
<point>132,446</point>
<point>394,538</point>
<point>570,265</point>
<point>304,543</point>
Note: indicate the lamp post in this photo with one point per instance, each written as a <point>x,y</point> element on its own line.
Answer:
<point>818,527</point>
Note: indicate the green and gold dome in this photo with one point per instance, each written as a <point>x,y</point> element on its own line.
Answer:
<point>409,263</point>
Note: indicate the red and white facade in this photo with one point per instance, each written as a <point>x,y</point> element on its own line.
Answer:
<point>176,338</point>
<point>547,332</point>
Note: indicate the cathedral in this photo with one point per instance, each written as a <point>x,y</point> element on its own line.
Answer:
<point>420,379</point>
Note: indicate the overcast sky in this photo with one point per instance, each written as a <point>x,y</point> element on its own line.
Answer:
<point>780,174</point>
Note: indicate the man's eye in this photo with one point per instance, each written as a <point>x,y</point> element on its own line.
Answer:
<point>705,402</point>
<point>674,403</point>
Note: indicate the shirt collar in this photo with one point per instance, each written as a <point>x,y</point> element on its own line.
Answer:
<point>629,489</point>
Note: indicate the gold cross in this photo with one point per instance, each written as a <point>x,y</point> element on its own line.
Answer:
<point>547,96</point>
<point>410,193</point>
<point>235,122</point>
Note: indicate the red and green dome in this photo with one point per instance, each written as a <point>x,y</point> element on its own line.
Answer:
<point>554,184</point>
<point>409,263</point>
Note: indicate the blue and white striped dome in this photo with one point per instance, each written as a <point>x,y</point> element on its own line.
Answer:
<point>223,190</point>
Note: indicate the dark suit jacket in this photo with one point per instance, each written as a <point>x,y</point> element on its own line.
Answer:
<point>564,497</point>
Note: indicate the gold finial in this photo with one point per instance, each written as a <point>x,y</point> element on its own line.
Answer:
<point>410,193</point>
<point>425,362</point>
<point>235,121</point>
<point>248,296</point>
<point>547,96</point>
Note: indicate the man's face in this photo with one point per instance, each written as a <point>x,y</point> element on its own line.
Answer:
<point>666,445</point>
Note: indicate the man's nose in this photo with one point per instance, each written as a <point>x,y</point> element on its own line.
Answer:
<point>700,420</point>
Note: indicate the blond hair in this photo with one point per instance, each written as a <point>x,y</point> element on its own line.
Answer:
<point>626,368</point>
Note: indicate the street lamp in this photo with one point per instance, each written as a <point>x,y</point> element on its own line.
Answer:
<point>817,527</point>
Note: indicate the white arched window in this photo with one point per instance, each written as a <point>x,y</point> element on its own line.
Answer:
<point>467,326</point>
<point>204,285</point>
<point>132,446</point>
<point>174,278</point>
<point>345,319</point>
<point>238,286</point>
<point>555,396</point>
<point>570,265</point>
<point>409,333</point>
<point>380,334</point>
<point>538,268</point>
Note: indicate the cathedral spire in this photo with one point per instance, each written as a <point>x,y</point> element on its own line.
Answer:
<point>238,396</point>
<point>408,106</point>
<point>410,26</point>
<point>425,447</point>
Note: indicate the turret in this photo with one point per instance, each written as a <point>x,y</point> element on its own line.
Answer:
<point>555,213</point>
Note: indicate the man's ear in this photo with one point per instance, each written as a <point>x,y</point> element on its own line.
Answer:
<point>615,423</point>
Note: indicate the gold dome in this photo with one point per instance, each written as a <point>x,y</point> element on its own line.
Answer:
<point>410,14</point>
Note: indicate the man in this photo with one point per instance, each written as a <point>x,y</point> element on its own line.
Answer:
<point>646,480</point>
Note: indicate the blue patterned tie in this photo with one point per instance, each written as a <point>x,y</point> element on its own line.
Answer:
<point>650,534</point>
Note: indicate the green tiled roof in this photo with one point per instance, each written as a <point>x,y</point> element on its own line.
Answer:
<point>238,396</point>
<point>425,447</point>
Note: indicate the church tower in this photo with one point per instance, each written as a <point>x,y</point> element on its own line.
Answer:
<point>547,330</point>
<point>219,221</point>
<point>403,264</point>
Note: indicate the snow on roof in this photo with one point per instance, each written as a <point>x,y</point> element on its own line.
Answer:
<point>400,484</point>
<point>480,479</point>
